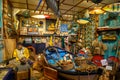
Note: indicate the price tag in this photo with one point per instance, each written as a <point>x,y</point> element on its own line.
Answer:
<point>108,67</point>
<point>104,62</point>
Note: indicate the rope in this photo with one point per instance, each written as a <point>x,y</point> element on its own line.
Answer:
<point>42,6</point>
<point>38,5</point>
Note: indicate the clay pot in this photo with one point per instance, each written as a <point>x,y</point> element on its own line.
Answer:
<point>5,5</point>
<point>5,10</point>
<point>5,22</point>
<point>5,16</point>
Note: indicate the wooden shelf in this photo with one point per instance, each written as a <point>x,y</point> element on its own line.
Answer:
<point>41,36</point>
<point>107,29</point>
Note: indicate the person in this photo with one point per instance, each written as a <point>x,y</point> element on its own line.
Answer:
<point>23,70</point>
<point>24,66</point>
<point>20,52</point>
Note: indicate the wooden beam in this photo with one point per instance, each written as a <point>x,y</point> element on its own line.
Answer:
<point>86,8</point>
<point>62,1</point>
<point>22,3</point>
<point>33,5</point>
<point>33,9</point>
<point>27,4</point>
<point>66,9</point>
<point>74,6</point>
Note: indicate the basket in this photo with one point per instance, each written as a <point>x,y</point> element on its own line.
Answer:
<point>67,66</point>
<point>78,60</point>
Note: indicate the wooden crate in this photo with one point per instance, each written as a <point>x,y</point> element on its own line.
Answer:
<point>50,73</point>
<point>22,75</point>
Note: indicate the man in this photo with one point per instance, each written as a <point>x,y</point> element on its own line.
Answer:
<point>20,52</point>
<point>24,66</point>
<point>23,70</point>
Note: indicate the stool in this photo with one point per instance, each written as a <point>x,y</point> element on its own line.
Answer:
<point>23,75</point>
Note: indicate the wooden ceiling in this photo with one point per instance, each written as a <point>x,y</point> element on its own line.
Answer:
<point>67,7</point>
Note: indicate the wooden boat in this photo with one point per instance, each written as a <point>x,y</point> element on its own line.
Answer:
<point>55,54</point>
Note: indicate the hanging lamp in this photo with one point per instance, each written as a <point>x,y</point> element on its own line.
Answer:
<point>96,1</point>
<point>96,10</point>
<point>26,13</point>
<point>84,20</point>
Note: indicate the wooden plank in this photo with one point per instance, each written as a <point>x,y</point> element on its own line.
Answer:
<point>50,73</point>
<point>74,6</point>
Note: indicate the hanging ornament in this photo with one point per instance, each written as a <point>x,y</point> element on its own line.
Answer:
<point>87,14</point>
<point>114,7</point>
<point>26,14</point>
<point>85,19</point>
<point>62,43</point>
<point>51,41</point>
<point>72,32</point>
<point>96,1</point>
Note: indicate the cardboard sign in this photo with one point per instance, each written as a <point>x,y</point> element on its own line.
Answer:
<point>108,67</point>
<point>104,62</point>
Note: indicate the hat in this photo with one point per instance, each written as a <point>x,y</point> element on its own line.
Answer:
<point>19,43</point>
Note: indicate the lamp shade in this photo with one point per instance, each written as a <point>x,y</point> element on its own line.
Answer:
<point>96,10</point>
<point>83,20</point>
<point>40,16</point>
<point>96,1</point>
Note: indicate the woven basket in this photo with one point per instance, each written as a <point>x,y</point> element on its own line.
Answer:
<point>78,61</point>
<point>67,66</point>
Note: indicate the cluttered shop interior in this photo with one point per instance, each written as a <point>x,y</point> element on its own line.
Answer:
<point>59,39</point>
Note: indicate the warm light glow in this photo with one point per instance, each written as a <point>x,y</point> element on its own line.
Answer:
<point>39,57</point>
<point>96,10</point>
<point>40,16</point>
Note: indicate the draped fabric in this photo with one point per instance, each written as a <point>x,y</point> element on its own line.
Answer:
<point>9,46</point>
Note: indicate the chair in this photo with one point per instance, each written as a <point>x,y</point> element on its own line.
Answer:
<point>23,75</point>
<point>33,54</point>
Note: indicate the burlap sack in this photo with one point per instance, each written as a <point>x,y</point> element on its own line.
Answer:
<point>95,43</point>
<point>97,50</point>
<point>104,47</point>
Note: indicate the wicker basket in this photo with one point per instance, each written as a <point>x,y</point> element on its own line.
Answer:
<point>78,61</point>
<point>67,66</point>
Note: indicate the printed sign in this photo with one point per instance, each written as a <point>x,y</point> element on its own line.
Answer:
<point>104,62</point>
<point>108,67</point>
<point>64,28</point>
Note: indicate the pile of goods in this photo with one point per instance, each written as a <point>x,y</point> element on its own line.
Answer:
<point>66,65</point>
<point>111,36</point>
<point>83,65</point>
<point>86,68</point>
